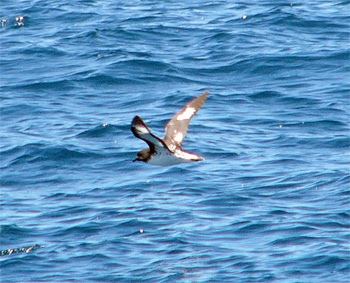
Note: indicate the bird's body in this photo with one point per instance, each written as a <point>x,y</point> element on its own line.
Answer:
<point>169,151</point>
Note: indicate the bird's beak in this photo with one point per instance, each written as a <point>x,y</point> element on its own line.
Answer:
<point>134,160</point>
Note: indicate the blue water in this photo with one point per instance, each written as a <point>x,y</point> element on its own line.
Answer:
<point>269,204</point>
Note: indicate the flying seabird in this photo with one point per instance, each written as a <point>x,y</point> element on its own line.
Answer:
<point>169,151</point>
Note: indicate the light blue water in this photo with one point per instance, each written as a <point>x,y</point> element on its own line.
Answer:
<point>269,204</point>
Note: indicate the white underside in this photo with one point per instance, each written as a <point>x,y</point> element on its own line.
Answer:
<point>165,158</point>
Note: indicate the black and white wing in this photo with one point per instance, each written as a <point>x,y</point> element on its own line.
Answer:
<point>141,131</point>
<point>176,129</point>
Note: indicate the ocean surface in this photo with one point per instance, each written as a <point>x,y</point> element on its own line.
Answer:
<point>271,201</point>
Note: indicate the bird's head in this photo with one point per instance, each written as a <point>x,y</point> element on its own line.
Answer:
<point>143,155</point>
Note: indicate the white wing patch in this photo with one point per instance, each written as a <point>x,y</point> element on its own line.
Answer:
<point>164,158</point>
<point>187,114</point>
<point>172,147</point>
<point>187,156</point>
<point>179,137</point>
<point>142,130</point>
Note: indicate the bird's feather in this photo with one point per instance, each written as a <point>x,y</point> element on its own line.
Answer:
<point>176,129</point>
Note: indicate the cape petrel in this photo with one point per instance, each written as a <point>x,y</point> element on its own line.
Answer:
<point>169,151</point>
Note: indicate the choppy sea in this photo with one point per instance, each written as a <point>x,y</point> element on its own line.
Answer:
<point>271,201</point>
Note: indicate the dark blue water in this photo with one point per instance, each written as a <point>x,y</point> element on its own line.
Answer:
<point>269,204</point>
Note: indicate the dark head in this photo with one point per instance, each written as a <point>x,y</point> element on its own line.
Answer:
<point>143,155</point>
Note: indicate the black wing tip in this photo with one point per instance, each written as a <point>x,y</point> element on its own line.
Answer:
<point>205,95</point>
<point>198,102</point>
<point>139,128</point>
<point>137,120</point>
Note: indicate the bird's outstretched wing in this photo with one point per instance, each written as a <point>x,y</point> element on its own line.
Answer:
<point>141,131</point>
<point>176,129</point>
